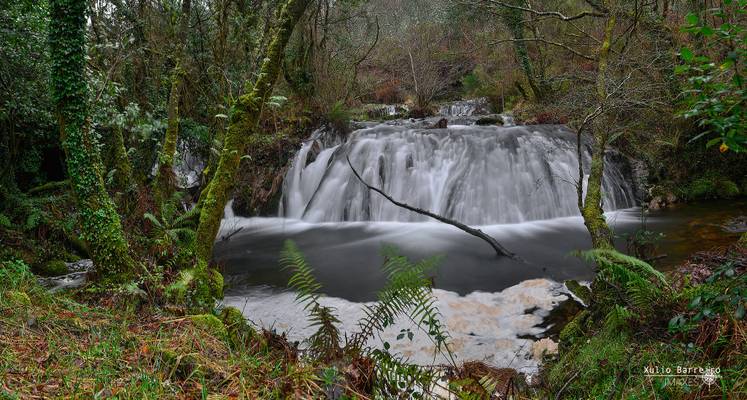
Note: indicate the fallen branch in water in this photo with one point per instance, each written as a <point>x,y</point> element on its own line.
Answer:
<point>499,249</point>
<point>226,238</point>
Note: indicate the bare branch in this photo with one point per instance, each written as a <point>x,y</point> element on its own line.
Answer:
<point>561,45</point>
<point>499,249</point>
<point>553,14</point>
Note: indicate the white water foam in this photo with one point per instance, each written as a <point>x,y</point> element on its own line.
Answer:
<point>482,326</point>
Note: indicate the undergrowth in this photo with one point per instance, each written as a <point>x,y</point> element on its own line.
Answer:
<point>640,323</point>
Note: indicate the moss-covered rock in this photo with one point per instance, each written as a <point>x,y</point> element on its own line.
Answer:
<point>574,329</point>
<point>211,324</point>
<point>175,365</point>
<point>579,290</point>
<point>239,331</point>
<point>52,268</point>
<point>18,298</point>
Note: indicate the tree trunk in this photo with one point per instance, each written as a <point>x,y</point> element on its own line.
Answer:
<point>512,18</point>
<point>165,181</point>
<point>100,223</point>
<point>243,126</point>
<point>120,161</point>
<point>592,211</point>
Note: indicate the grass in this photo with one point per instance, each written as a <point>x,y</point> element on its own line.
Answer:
<point>89,344</point>
<point>53,346</point>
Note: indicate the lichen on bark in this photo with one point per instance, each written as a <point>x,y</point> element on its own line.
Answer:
<point>165,181</point>
<point>591,209</point>
<point>100,223</point>
<point>244,123</point>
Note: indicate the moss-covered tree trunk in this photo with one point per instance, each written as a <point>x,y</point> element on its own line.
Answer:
<point>165,182</point>
<point>592,211</point>
<point>100,223</point>
<point>120,161</point>
<point>513,19</point>
<point>243,124</point>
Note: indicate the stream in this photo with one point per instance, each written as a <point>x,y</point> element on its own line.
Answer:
<point>514,182</point>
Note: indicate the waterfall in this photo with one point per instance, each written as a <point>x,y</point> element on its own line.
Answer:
<point>477,175</point>
<point>465,108</point>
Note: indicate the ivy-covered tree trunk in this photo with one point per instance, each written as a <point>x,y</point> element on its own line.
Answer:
<point>165,182</point>
<point>120,161</point>
<point>243,125</point>
<point>513,19</point>
<point>100,223</point>
<point>592,211</point>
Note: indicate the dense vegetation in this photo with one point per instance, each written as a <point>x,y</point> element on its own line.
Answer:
<point>101,100</point>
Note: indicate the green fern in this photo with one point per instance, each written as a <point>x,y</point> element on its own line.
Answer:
<point>407,294</point>
<point>325,342</point>
<point>635,282</point>
<point>398,379</point>
<point>170,226</point>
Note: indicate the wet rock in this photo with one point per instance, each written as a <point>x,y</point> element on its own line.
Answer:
<point>490,120</point>
<point>465,108</point>
<point>84,265</point>
<point>663,201</point>
<point>656,203</point>
<point>736,225</point>
<point>544,347</point>
<point>442,123</point>
<point>316,148</point>
<point>76,276</point>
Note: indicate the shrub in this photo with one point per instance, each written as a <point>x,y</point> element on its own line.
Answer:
<point>339,117</point>
<point>710,187</point>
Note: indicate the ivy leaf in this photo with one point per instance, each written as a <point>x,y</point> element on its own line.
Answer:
<point>686,54</point>
<point>692,19</point>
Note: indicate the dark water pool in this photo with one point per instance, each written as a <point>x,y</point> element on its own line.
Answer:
<point>347,256</point>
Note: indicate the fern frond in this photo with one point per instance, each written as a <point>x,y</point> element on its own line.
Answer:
<point>608,257</point>
<point>398,379</point>
<point>302,280</point>
<point>153,220</point>
<point>325,342</point>
<point>638,283</point>
<point>617,317</point>
<point>407,293</point>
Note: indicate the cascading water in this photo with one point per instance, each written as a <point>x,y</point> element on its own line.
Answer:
<point>465,108</point>
<point>476,175</point>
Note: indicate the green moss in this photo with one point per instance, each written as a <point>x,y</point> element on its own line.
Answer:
<point>100,223</point>
<point>574,329</point>
<point>239,331</point>
<point>211,324</point>
<point>18,298</point>
<point>712,187</point>
<point>52,268</point>
<point>196,288</point>
<point>581,291</point>
<point>727,189</point>
<point>743,240</point>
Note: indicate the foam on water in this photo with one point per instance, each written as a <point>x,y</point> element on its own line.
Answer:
<point>483,326</point>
